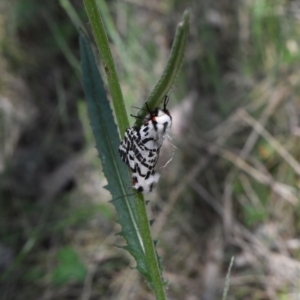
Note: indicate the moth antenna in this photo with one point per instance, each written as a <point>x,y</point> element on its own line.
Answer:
<point>148,108</point>
<point>137,117</point>
<point>167,97</point>
<point>166,101</point>
<point>139,108</point>
<point>136,107</point>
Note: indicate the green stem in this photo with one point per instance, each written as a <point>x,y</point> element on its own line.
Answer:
<point>108,63</point>
<point>171,71</point>
<point>150,253</point>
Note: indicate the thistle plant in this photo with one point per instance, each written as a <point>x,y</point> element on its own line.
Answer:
<point>131,210</point>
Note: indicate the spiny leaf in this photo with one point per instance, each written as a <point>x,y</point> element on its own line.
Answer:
<point>107,143</point>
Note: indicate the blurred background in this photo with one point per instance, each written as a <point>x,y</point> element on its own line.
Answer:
<point>232,188</point>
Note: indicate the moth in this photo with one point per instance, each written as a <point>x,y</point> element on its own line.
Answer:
<point>140,147</point>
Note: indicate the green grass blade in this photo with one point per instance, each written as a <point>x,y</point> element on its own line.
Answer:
<point>73,15</point>
<point>172,69</point>
<point>107,143</point>
<point>63,45</point>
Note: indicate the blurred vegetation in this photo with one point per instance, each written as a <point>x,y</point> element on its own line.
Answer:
<point>233,184</point>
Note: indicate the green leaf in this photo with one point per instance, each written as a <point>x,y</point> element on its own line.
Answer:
<point>69,267</point>
<point>107,143</point>
<point>171,71</point>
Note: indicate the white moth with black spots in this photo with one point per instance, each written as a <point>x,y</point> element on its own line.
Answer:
<point>133,152</point>
<point>140,147</point>
<point>140,159</point>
